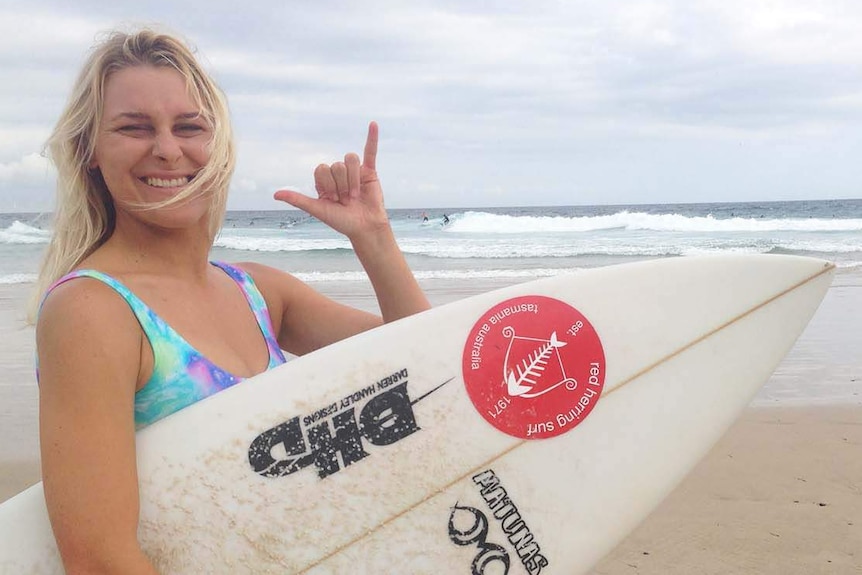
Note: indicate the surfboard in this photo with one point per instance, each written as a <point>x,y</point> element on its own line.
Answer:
<point>525,430</point>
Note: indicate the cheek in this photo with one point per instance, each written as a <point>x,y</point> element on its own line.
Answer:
<point>115,176</point>
<point>104,158</point>
<point>110,174</point>
<point>200,154</point>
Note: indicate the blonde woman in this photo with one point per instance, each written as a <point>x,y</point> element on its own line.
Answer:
<point>135,322</point>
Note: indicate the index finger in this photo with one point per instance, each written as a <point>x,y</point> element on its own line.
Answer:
<point>369,157</point>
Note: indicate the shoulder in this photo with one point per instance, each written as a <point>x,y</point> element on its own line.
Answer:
<point>274,285</point>
<point>282,292</point>
<point>81,294</point>
<point>85,309</point>
<point>256,269</point>
<point>269,280</point>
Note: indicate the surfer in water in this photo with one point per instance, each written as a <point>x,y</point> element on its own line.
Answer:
<point>135,322</point>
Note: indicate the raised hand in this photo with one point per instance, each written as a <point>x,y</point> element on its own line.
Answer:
<point>349,196</point>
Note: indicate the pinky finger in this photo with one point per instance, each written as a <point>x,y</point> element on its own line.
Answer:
<point>324,183</point>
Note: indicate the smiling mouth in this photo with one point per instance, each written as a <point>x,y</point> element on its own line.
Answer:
<point>167,183</point>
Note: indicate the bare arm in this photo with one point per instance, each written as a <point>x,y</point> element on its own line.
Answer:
<point>350,200</point>
<point>89,346</point>
<point>398,293</point>
<point>303,319</point>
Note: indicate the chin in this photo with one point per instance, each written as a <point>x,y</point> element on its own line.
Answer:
<point>178,217</point>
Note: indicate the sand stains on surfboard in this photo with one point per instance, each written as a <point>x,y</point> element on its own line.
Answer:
<point>317,467</point>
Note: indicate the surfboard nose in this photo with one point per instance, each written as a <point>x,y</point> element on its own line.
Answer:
<point>673,302</point>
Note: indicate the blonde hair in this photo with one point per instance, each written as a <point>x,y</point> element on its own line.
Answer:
<point>84,214</point>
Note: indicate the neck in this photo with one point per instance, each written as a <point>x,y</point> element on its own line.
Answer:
<point>139,248</point>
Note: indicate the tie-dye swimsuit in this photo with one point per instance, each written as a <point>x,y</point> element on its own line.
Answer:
<point>181,374</point>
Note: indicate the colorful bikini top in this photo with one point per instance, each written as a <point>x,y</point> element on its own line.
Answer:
<point>181,374</point>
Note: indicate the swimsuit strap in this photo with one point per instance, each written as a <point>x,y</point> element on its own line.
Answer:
<point>181,374</point>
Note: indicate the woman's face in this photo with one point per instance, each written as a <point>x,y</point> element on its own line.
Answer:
<point>151,144</point>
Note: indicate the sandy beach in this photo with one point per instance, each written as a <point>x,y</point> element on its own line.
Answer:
<point>781,493</point>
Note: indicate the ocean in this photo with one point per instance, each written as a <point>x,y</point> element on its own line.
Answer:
<point>508,244</point>
<point>485,248</point>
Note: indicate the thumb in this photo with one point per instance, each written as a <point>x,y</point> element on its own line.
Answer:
<point>296,199</point>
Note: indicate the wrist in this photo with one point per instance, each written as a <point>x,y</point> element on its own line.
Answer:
<point>374,241</point>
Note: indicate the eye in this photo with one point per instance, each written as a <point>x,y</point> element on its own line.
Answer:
<point>134,128</point>
<point>189,129</point>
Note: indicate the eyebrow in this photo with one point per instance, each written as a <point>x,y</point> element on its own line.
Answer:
<point>143,116</point>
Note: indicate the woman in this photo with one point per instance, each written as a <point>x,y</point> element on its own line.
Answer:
<point>135,322</point>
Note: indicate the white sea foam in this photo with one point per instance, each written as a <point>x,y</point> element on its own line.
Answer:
<point>9,279</point>
<point>536,246</point>
<point>278,242</point>
<point>443,274</point>
<point>319,276</point>
<point>21,233</point>
<point>476,234</point>
<point>479,243</point>
<point>483,222</point>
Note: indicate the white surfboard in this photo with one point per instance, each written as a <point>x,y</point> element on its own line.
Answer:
<point>525,430</point>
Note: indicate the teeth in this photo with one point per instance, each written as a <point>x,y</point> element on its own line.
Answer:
<point>160,183</point>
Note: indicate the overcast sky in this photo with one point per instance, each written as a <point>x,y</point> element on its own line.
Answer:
<point>487,103</point>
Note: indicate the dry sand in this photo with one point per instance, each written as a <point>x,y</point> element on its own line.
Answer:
<point>780,494</point>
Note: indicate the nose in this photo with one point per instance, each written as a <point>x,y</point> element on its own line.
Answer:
<point>166,147</point>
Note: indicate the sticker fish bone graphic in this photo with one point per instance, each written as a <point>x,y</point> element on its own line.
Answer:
<point>531,368</point>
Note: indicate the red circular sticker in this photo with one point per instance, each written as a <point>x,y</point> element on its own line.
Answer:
<point>534,367</point>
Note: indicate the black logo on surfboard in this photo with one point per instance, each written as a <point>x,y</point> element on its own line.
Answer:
<point>379,414</point>
<point>470,526</point>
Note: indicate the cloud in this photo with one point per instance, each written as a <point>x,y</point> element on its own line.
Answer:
<point>35,32</point>
<point>26,184</point>
<point>19,139</point>
<point>27,170</point>
<point>479,104</point>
